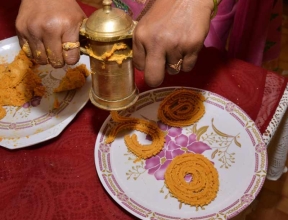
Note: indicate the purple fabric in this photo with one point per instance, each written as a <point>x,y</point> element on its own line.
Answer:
<point>249,33</point>
<point>221,24</point>
<point>135,6</point>
<point>252,27</point>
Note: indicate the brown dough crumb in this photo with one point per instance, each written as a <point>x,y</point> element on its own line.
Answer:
<point>2,112</point>
<point>56,103</point>
<point>74,78</point>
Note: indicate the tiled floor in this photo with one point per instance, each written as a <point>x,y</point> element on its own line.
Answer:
<point>272,201</point>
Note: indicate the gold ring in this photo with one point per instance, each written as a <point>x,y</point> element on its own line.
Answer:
<point>26,49</point>
<point>177,66</point>
<point>70,45</point>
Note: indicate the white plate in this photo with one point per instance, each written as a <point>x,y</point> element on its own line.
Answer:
<point>25,126</point>
<point>226,136</point>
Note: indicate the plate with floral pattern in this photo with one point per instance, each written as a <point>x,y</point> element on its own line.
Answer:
<point>37,121</point>
<point>225,135</point>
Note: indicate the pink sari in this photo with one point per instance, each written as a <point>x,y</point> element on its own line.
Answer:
<point>136,8</point>
<point>252,28</point>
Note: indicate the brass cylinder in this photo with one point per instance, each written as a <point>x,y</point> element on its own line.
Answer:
<point>113,83</point>
<point>108,42</point>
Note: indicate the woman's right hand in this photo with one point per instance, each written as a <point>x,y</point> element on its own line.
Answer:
<point>45,25</point>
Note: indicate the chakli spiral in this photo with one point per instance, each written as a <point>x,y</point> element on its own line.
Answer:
<point>182,107</point>
<point>203,187</point>
<point>132,143</point>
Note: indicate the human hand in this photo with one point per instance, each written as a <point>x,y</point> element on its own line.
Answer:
<point>171,30</point>
<point>46,25</point>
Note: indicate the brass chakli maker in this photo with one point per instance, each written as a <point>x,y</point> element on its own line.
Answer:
<point>107,35</point>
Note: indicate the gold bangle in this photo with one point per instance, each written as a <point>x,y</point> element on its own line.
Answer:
<point>215,9</point>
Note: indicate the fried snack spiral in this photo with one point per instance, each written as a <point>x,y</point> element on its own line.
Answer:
<point>203,187</point>
<point>132,143</point>
<point>182,107</point>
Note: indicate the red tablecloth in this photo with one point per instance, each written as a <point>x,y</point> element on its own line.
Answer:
<point>57,179</point>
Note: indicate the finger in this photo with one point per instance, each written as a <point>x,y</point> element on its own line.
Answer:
<point>72,55</point>
<point>38,52</point>
<point>26,48</point>
<point>24,45</point>
<point>22,39</point>
<point>154,68</point>
<point>31,43</point>
<point>53,47</point>
<point>174,62</point>
<point>189,62</point>
<point>34,49</point>
<point>139,54</point>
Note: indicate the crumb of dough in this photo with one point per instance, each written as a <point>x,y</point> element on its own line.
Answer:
<point>74,78</point>
<point>19,83</point>
<point>56,103</point>
<point>2,113</point>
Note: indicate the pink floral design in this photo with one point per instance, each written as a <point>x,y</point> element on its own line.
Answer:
<point>121,196</point>
<point>183,144</point>
<point>12,126</point>
<point>230,107</point>
<point>247,198</point>
<point>176,144</point>
<point>105,148</point>
<point>157,165</point>
<point>260,147</point>
<point>35,101</point>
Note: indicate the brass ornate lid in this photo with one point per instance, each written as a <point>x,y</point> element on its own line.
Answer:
<point>108,24</point>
